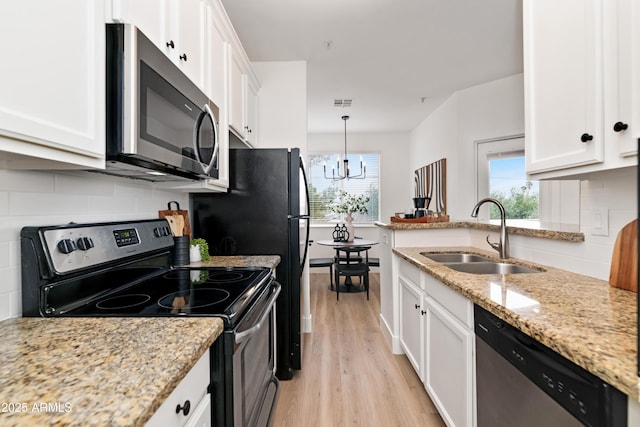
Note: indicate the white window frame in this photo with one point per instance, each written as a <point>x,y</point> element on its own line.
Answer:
<point>559,201</point>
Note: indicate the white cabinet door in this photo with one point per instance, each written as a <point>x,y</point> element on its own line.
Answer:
<point>563,83</point>
<point>622,75</point>
<point>202,414</point>
<point>52,80</point>
<point>177,27</point>
<point>449,366</point>
<point>150,16</point>
<point>186,24</point>
<point>251,114</point>
<point>411,324</point>
<point>192,389</point>
<point>236,95</point>
<point>217,48</point>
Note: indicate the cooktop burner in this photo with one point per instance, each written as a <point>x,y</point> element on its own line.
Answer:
<point>123,301</point>
<point>194,298</point>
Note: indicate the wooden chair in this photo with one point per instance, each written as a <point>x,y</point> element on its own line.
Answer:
<point>352,267</point>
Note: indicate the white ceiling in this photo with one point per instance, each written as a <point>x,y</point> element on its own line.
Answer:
<point>385,55</point>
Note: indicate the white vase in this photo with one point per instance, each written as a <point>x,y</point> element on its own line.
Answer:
<point>194,253</point>
<point>350,229</point>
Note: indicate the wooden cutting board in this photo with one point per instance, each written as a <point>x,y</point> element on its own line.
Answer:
<point>186,227</point>
<point>624,262</point>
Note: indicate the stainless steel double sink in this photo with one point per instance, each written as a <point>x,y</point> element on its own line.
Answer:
<point>477,264</point>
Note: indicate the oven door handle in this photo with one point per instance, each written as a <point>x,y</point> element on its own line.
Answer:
<point>242,336</point>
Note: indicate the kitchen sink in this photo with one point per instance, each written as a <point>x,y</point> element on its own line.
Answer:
<point>466,262</point>
<point>455,257</point>
<point>490,268</point>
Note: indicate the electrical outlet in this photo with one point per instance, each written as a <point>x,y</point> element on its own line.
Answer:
<point>600,222</point>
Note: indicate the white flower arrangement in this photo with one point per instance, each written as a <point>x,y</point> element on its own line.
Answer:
<point>349,204</point>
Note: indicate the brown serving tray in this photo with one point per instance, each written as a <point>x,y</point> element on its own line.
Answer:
<point>422,219</point>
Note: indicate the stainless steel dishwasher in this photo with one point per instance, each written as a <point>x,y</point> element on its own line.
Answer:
<point>520,382</point>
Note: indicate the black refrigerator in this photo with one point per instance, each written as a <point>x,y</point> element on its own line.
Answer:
<point>264,212</point>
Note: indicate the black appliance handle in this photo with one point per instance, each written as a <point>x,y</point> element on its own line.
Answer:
<point>242,336</point>
<point>306,216</point>
<point>206,166</point>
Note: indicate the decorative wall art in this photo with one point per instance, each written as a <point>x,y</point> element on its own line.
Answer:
<point>431,182</point>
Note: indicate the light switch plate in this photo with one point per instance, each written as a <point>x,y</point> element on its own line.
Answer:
<point>600,222</point>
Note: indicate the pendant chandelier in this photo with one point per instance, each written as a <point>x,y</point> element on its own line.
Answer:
<point>345,173</point>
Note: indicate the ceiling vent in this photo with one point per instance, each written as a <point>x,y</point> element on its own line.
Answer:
<point>342,103</point>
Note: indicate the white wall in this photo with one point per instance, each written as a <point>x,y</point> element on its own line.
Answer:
<point>490,110</point>
<point>496,109</point>
<point>43,198</point>
<point>282,104</point>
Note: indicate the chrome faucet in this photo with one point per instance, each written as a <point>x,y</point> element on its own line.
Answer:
<point>503,246</point>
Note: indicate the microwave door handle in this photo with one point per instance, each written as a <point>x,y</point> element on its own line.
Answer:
<point>216,145</point>
<point>196,140</point>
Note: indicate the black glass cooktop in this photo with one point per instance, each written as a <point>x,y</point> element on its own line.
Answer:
<point>182,291</point>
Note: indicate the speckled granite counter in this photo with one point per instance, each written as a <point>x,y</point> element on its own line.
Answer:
<point>95,371</point>
<point>569,235</point>
<point>270,261</point>
<point>582,318</point>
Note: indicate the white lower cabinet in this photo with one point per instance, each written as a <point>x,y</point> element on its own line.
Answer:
<point>412,324</point>
<point>192,392</point>
<point>436,334</point>
<point>449,367</point>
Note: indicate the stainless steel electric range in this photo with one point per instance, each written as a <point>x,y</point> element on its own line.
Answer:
<point>124,269</point>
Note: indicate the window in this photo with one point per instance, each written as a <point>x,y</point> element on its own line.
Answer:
<point>323,192</point>
<point>508,183</point>
<point>501,174</point>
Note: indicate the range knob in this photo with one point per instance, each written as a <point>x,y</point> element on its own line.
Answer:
<point>85,243</point>
<point>66,246</point>
<point>157,232</point>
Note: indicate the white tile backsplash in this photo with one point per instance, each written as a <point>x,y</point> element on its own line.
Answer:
<point>4,203</point>
<point>5,256</point>
<point>35,198</point>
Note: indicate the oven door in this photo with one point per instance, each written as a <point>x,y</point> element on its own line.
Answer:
<point>255,387</point>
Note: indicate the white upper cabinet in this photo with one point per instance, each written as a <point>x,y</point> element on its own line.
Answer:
<point>622,75</point>
<point>217,55</point>
<point>579,82</point>
<point>186,30</point>
<point>243,98</point>
<point>251,128</point>
<point>177,27</point>
<point>52,97</point>
<point>236,95</point>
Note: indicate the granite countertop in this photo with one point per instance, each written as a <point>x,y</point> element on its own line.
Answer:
<point>96,371</point>
<point>569,233</point>
<point>270,261</point>
<point>582,318</point>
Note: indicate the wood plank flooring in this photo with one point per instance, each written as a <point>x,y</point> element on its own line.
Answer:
<point>349,376</point>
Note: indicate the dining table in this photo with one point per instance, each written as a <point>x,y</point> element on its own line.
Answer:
<point>339,245</point>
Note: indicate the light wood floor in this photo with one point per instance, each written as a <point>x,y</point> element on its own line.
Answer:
<point>349,375</point>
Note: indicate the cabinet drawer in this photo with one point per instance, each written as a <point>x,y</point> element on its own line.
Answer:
<point>456,304</point>
<point>410,272</point>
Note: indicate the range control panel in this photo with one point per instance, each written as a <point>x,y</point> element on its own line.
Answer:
<point>73,247</point>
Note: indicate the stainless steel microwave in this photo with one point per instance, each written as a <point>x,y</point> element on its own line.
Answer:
<point>160,125</point>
